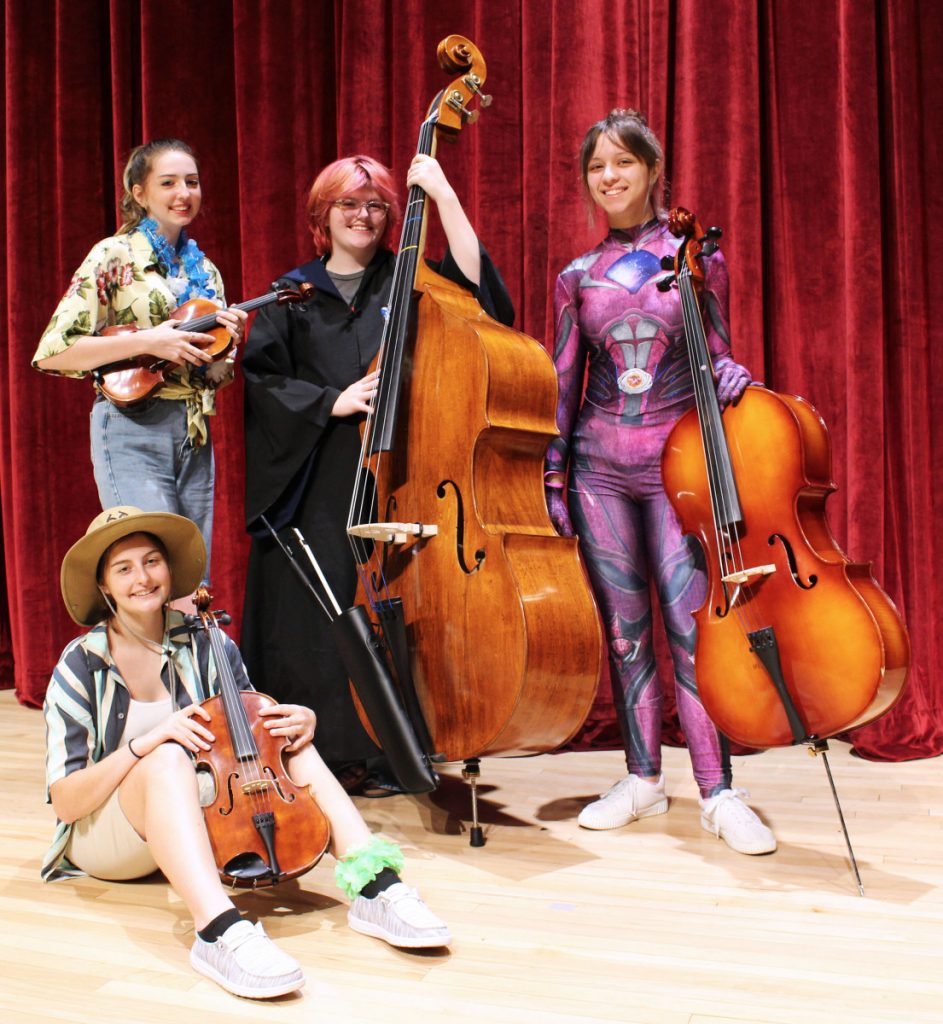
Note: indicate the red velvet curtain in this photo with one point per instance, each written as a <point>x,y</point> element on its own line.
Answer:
<point>811,132</point>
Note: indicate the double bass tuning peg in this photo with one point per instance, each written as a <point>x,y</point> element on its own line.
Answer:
<point>474,83</point>
<point>455,102</point>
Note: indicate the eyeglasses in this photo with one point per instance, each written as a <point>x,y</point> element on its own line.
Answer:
<point>350,208</point>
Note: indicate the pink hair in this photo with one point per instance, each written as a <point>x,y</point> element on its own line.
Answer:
<point>341,178</point>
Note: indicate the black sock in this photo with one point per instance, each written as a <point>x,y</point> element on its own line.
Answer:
<point>384,880</point>
<point>218,925</point>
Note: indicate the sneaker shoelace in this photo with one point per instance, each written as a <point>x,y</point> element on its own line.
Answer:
<point>730,802</point>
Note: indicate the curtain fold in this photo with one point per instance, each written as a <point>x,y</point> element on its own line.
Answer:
<point>810,133</point>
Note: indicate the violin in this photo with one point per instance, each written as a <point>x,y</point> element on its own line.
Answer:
<point>795,642</point>
<point>485,610</point>
<point>129,382</point>
<point>262,827</point>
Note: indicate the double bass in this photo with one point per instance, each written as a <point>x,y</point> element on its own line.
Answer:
<point>485,609</point>
<point>795,641</point>
<point>263,829</point>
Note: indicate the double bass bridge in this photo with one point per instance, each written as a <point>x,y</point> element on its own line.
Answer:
<point>393,533</point>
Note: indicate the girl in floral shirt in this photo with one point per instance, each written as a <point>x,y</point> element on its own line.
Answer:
<point>156,455</point>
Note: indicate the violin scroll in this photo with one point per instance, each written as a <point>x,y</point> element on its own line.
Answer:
<point>302,293</point>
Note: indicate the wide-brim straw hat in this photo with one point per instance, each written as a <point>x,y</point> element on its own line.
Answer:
<point>186,555</point>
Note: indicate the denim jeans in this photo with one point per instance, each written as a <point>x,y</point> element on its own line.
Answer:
<point>143,457</point>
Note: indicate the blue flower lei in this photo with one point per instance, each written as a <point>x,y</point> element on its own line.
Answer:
<point>186,254</point>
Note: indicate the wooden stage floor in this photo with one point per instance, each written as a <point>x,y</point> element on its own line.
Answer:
<point>657,923</point>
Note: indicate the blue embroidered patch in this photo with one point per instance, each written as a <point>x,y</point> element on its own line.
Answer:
<point>634,268</point>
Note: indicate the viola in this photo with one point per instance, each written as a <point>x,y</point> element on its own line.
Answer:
<point>795,642</point>
<point>484,610</point>
<point>262,827</point>
<point>129,382</point>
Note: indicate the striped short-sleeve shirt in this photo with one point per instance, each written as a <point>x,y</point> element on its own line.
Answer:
<point>87,702</point>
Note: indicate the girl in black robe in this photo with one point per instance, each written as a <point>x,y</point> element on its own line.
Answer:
<point>307,390</point>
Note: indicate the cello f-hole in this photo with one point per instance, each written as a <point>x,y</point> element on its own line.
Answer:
<point>793,566</point>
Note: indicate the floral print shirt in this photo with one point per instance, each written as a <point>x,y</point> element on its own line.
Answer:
<point>121,282</point>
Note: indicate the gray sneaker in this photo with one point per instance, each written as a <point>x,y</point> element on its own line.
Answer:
<point>246,962</point>
<point>398,916</point>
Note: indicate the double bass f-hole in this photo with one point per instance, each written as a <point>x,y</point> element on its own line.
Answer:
<point>441,492</point>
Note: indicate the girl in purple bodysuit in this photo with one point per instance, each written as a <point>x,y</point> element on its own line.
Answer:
<point>608,310</point>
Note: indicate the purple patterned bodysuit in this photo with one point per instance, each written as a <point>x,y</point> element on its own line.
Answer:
<point>608,309</point>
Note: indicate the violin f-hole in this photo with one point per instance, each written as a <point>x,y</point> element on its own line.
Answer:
<point>224,811</point>
<point>289,797</point>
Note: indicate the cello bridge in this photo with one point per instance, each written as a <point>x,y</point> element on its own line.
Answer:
<point>392,533</point>
<point>742,576</point>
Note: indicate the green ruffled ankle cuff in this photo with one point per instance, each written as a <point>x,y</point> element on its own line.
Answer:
<point>361,864</point>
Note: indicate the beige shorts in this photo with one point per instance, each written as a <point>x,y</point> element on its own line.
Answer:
<point>104,844</point>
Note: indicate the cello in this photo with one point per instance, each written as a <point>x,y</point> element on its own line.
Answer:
<point>485,610</point>
<point>795,642</point>
<point>263,829</point>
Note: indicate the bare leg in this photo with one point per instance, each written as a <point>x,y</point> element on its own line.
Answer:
<point>348,829</point>
<point>159,798</point>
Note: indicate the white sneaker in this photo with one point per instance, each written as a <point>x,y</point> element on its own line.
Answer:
<point>729,818</point>
<point>398,916</point>
<point>246,962</point>
<point>628,799</point>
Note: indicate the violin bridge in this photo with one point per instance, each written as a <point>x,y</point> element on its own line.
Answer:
<point>392,533</point>
<point>742,576</point>
<point>256,786</point>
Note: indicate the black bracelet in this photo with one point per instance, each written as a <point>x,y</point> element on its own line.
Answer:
<point>133,751</point>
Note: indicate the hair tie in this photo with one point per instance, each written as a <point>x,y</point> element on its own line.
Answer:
<point>133,751</point>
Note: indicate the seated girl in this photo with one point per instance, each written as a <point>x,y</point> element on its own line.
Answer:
<point>125,720</point>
